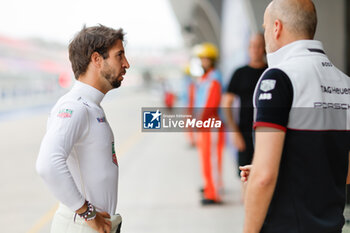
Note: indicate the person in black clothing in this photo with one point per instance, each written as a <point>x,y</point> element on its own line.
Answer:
<point>302,130</point>
<point>242,85</point>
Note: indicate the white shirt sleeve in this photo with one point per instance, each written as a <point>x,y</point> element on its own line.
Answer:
<point>67,124</point>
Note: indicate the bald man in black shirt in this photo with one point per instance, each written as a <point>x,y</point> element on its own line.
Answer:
<point>242,85</point>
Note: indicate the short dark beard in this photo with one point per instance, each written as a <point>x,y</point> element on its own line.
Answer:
<point>114,83</point>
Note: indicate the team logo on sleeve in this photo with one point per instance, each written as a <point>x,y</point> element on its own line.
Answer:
<point>265,96</point>
<point>65,113</point>
<point>114,156</point>
<point>267,85</point>
<point>101,119</point>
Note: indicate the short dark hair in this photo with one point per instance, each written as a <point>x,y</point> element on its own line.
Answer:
<point>89,40</point>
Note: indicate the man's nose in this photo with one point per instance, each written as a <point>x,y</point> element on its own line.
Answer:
<point>126,64</point>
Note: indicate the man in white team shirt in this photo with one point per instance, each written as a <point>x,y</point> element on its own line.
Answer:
<point>77,159</point>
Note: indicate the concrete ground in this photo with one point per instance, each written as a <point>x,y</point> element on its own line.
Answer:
<point>159,176</point>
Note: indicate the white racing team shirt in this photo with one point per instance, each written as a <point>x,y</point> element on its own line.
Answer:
<point>77,159</point>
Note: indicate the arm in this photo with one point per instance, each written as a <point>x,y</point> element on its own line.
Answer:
<point>67,124</point>
<point>62,133</point>
<point>263,177</point>
<point>271,126</point>
<point>232,89</point>
<point>227,102</point>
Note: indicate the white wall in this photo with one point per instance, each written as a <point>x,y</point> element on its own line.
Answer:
<point>330,29</point>
<point>236,29</point>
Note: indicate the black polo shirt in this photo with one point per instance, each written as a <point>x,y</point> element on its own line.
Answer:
<point>242,84</point>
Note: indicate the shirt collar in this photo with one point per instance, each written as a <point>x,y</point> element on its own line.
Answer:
<point>88,92</point>
<point>206,74</point>
<point>296,48</point>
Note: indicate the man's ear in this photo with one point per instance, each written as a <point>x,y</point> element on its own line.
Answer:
<point>96,59</point>
<point>277,29</point>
